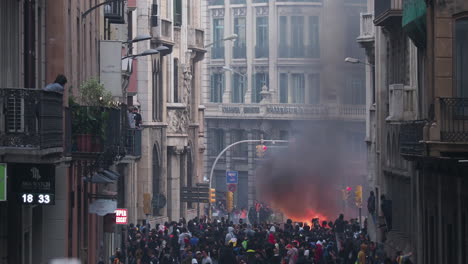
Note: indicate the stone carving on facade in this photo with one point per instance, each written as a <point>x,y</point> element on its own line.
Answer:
<point>261,11</point>
<point>239,12</point>
<point>178,121</point>
<point>187,86</point>
<point>218,12</point>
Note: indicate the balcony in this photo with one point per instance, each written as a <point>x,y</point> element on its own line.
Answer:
<point>367,32</point>
<point>403,103</point>
<point>133,142</point>
<point>114,12</point>
<point>286,111</point>
<point>196,39</point>
<point>387,12</point>
<point>31,119</point>
<point>411,138</point>
<point>95,129</point>
<point>163,32</point>
<point>454,119</point>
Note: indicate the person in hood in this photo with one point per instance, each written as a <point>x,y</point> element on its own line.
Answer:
<point>230,235</point>
<point>293,254</point>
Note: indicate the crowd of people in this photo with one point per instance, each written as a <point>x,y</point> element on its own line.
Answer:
<point>203,241</point>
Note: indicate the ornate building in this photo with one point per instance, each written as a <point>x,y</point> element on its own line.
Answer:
<point>285,71</point>
<point>168,96</point>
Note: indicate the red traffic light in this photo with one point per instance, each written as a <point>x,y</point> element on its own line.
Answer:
<point>348,189</point>
<point>265,147</point>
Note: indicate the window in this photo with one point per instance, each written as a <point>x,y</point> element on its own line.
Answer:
<point>297,36</point>
<point>217,87</point>
<point>239,49</point>
<point>215,2</point>
<point>233,2</point>
<point>175,98</point>
<point>314,88</point>
<point>261,48</point>
<point>283,88</point>
<point>284,135</point>
<point>177,13</point>
<point>352,30</point>
<point>217,51</point>
<point>283,49</point>
<point>298,88</point>
<point>238,88</point>
<point>313,46</point>
<point>261,79</point>
<point>218,141</point>
<point>461,57</point>
<point>355,92</point>
<point>157,83</point>
<point>240,150</point>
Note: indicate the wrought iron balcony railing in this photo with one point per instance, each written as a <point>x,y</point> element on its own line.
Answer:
<point>454,119</point>
<point>411,135</point>
<point>133,142</point>
<point>30,118</point>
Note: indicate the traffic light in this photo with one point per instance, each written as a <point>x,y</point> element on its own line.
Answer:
<point>358,197</point>
<point>212,195</point>
<point>346,192</point>
<point>229,201</point>
<point>261,149</point>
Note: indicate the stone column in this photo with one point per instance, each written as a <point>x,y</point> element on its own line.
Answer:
<point>251,172</point>
<point>250,40</point>
<point>173,182</point>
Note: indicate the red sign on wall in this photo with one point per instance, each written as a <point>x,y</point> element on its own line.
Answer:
<point>121,216</point>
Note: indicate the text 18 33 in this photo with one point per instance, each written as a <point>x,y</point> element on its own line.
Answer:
<point>36,198</point>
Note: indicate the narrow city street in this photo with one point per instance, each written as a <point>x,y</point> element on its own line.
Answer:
<point>233,131</point>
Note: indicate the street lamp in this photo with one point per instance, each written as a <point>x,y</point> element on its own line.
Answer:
<point>144,53</point>
<point>138,38</point>
<point>230,37</point>
<point>227,68</point>
<point>356,61</point>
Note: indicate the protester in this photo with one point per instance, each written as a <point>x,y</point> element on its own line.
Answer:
<point>220,241</point>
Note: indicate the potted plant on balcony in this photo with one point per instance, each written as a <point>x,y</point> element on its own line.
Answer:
<point>90,115</point>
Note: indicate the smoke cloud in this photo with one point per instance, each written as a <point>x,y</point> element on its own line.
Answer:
<point>305,180</point>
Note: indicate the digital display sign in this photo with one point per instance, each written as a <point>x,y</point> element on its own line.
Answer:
<point>33,183</point>
<point>36,198</point>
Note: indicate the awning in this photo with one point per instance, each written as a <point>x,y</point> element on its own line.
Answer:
<point>414,21</point>
<point>102,207</point>
<point>105,176</point>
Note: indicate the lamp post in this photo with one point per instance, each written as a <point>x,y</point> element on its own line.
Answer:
<point>230,37</point>
<point>356,61</point>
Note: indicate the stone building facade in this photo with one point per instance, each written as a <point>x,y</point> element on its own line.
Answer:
<point>283,73</point>
<point>417,132</point>
<point>168,95</point>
